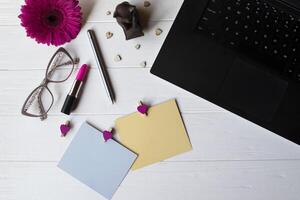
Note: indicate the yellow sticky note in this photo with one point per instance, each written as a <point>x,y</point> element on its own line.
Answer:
<point>155,137</point>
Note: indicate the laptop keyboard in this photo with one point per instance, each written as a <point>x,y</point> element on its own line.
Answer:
<point>258,30</point>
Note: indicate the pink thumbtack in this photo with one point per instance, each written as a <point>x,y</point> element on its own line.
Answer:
<point>143,109</point>
<point>107,135</point>
<point>65,128</point>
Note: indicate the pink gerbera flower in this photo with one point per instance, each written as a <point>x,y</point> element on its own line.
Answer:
<point>52,22</point>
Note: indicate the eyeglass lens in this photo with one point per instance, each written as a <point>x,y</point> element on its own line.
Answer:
<point>39,102</point>
<point>60,67</point>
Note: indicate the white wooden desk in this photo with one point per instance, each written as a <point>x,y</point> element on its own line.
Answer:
<point>232,159</point>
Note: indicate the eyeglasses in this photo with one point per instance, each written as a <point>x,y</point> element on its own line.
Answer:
<point>41,99</point>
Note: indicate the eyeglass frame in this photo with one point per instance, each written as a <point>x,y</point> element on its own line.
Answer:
<point>44,85</point>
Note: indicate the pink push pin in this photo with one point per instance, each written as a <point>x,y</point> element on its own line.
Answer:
<point>143,109</point>
<point>65,128</point>
<point>107,135</point>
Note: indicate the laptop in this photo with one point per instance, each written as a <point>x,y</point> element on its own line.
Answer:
<point>243,55</point>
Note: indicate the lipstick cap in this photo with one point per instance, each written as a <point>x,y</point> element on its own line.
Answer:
<point>69,105</point>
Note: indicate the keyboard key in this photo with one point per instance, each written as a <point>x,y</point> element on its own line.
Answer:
<point>257,30</point>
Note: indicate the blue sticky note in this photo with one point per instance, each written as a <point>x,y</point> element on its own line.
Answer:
<point>100,165</point>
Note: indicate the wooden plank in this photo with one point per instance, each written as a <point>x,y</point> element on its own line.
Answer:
<point>95,10</point>
<point>247,180</point>
<point>30,55</point>
<point>231,159</point>
<point>214,136</point>
<point>9,11</point>
<point>159,10</point>
<point>130,84</point>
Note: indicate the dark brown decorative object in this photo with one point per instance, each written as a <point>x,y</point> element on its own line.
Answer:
<point>128,18</point>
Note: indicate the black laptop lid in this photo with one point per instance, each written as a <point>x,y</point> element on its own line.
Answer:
<point>293,3</point>
<point>200,66</point>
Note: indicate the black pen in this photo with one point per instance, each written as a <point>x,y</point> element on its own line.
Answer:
<point>101,66</point>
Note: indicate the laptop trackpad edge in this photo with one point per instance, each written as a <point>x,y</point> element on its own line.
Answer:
<point>252,91</point>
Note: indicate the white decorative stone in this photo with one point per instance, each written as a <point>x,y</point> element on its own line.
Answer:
<point>118,58</point>
<point>138,46</point>
<point>143,64</point>
<point>147,4</point>
<point>109,35</point>
<point>158,31</point>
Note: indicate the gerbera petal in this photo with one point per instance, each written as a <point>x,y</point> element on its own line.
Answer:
<point>52,22</point>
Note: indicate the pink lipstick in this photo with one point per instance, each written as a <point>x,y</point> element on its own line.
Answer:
<point>72,98</point>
